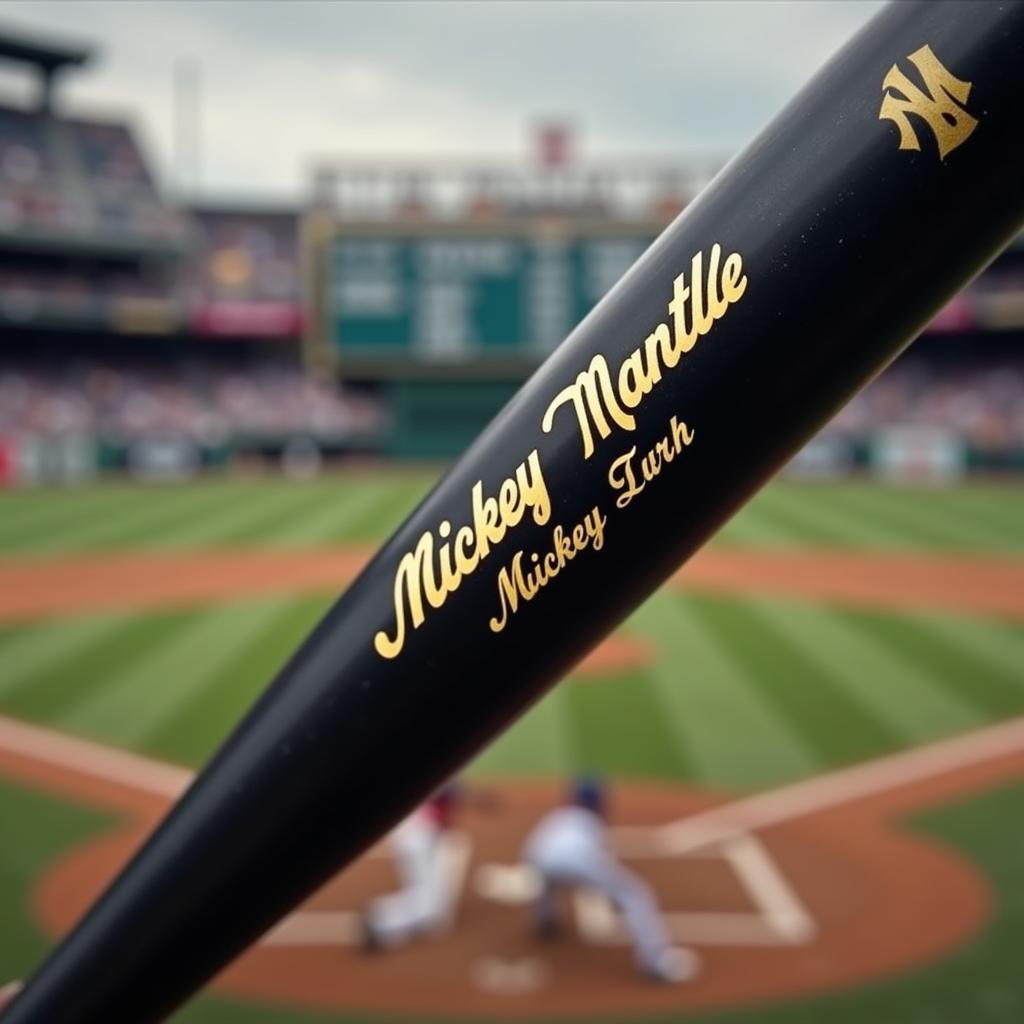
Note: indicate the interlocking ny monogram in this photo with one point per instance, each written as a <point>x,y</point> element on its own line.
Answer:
<point>940,107</point>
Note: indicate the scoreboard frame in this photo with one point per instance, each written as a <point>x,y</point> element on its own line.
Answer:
<point>324,355</point>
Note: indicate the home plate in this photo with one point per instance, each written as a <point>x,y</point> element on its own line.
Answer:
<point>511,884</point>
<point>509,976</point>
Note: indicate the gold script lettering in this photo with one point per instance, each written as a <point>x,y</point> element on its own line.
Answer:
<point>694,309</point>
<point>516,583</point>
<point>622,476</point>
<point>427,576</point>
<point>592,397</point>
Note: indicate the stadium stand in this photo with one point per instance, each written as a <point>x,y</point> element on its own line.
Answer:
<point>86,242</point>
<point>983,404</point>
<point>28,186</point>
<point>78,182</point>
<point>67,420</point>
<point>190,398</point>
<point>109,294</point>
<point>114,304</point>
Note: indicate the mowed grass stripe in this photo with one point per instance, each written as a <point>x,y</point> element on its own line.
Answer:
<point>396,501</point>
<point>46,510</point>
<point>54,522</point>
<point>30,652</point>
<point>1002,513</point>
<point>540,743</point>
<point>729,733</point>
<point>86,669</point>
<point>329,516</point>
<point>620,729</point>
<point>262,527</point>
<point>195,728</point>
<point>250,513</point>
<point>134,702</point>
<point>993,516</point>
<point>823,517</point>
<point>793,512</point>
<point>836,727</point>
<point>924,523</point>
<point>229,522</point>
<point>61,518</point>
<point>887,684</point>
<point>963,655</point>
<point>998,646</point>
<point>994,523</point>
<point>785,512</point>
<point>144,520</point>
<point>754,525</point>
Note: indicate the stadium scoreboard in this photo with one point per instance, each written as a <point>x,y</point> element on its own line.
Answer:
<point>398,300</point>
<point>445,319</point>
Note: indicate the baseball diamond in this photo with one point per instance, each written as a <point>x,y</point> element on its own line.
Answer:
<point>448,581</point>
<point>823,732</point>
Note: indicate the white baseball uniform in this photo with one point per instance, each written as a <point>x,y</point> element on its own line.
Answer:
<point>424,902</point>
<point>569,847</point>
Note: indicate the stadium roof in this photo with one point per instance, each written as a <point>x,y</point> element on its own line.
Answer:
<point>45,55</point>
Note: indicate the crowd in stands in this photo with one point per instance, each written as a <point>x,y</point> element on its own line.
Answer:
<point>207,403</point>
<point>77,177</point>
<point>984,405</point>
<point>72,293</point>
<point>87,181</point>
<point>30,192</point>
<point>981,402</point>
<point>237,272</point>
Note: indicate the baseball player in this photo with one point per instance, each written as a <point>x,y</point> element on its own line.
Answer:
<point>569,848</point>
<point>421,845</point>
<point>425,901</point>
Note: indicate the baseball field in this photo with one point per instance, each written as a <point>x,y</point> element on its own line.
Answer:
<point>814,736</point>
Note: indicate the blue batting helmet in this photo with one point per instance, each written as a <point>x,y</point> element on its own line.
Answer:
<point>588,792</point>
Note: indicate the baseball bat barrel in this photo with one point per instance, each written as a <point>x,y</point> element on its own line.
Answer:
<point>809,262</point>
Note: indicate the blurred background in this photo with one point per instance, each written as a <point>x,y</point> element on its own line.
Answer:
<point>265,269</point>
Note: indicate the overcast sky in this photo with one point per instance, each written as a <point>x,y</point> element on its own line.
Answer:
<point>284,84</point>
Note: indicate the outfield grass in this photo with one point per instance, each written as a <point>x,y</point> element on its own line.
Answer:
<point>368,506</point>
<point>741,694</point>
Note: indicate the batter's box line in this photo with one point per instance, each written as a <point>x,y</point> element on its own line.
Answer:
<point>683,837</point>
<point>778,918</point>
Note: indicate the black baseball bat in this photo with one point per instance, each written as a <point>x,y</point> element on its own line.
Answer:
<point>797,275</point>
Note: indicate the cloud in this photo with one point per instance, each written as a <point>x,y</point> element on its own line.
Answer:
<point>284,83</point>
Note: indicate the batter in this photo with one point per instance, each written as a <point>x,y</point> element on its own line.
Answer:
<point>569,848</point>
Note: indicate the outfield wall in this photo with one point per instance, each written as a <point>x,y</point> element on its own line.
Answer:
<point>895,454</point>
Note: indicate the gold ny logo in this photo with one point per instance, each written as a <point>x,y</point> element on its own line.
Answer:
<point>941,107</point>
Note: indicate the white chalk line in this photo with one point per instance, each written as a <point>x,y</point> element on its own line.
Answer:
<point>509,976</point>
<point>826,792</point>
<point>781,915</point>
<point>777,916</point>
<point>53,749</point>
<point>777,906</point>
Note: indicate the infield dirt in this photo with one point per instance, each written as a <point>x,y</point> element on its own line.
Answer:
<point>868,885</point>
<point>84,584</point>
